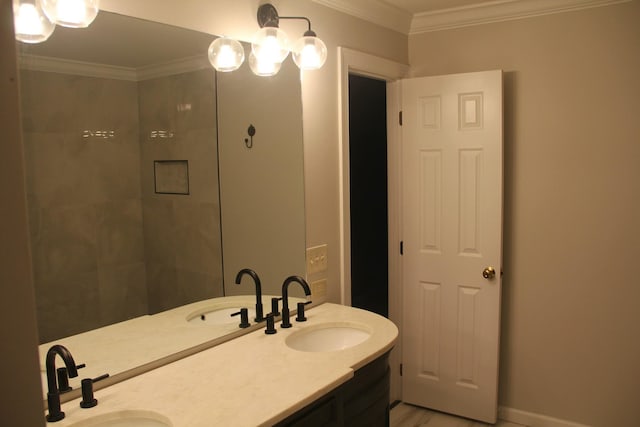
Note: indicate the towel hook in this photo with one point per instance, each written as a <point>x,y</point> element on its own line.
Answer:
<point>251,130</point>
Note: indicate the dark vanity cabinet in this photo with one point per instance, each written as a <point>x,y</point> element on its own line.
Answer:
<point>362,401</point>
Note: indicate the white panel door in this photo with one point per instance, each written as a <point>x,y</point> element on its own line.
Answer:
<point>452,233</point>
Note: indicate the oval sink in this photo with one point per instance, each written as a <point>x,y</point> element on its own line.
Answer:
<point>126,419</point>
<point>218,316</point>
<point>328,337</point>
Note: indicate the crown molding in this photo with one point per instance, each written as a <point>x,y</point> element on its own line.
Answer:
<point>374,11</point>
<point>78,68</point>
<point>388,16</point>
<point>498,11</point>
<point>89,69</point>
<point>179,66</point>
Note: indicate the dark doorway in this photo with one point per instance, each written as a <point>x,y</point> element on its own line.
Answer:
<point>368,190</point>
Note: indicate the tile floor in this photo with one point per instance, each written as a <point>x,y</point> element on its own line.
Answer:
<point>404,415</point>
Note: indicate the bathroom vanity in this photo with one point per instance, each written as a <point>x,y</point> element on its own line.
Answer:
<point>330,370</point>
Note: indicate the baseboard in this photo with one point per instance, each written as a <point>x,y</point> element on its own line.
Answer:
<point>531,419</point>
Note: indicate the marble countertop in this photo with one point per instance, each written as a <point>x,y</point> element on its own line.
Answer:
<point>131,347</point>
<point>252,380</point>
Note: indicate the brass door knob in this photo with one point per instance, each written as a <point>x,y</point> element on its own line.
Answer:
<point>489,273</point>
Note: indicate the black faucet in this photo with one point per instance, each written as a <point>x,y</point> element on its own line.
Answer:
<point>53,394</point>
<point>286,323</point>
<point>256,280</point>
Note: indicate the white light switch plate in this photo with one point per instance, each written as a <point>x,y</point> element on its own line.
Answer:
<point>317,259</point>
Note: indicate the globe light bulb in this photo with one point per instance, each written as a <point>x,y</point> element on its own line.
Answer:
<point>226,54</point>
<point>264,68</point>
<point>309,52</point>
<point>30,22</point>
<point>71,13</point>
<point>270,44</point>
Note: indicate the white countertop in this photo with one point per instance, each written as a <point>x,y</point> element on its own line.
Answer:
<point>252,380</point>
<point>145,342</point>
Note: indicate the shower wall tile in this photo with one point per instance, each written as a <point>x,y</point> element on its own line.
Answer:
<point>194,251</point>
<point>196,286</point>
<point>64,168</point>
<point>210,227</point>
<point>64,242</point>
<point>63,103</point>
<point>109,104</point>
<point>49,102</point>
<point>159,235</point>
<point>173,287</point>
<point>193,90</point>
<point>155,106</point>
<point>162,288</point>
<point>201,150</point>
<point>112,168</point>
<point>178,103</point>
<point>122,292</point>
<point>182,237</point>
<point>48,172</point>
<point>67,305</point>
<point>120,232</point>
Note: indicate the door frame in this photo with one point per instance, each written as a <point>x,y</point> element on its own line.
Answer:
<point>354,62</point>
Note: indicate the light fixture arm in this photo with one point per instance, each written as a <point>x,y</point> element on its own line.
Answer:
<point>298,17</point>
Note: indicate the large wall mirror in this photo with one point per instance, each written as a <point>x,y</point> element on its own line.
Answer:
<point>145,199</point>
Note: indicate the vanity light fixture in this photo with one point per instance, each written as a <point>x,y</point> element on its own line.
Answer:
<point>71,13</point>
<point>270,47</point>
<point>30,22</point>
<point>270,44</point>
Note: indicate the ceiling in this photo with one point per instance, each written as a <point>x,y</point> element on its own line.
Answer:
<point>420,16</point>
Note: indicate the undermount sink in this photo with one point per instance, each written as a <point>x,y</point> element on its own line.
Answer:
<point>328,337</point>
<point>126,419</point>
<point>218,315</point>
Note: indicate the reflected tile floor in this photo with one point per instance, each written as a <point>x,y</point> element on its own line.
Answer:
<point>404,415</point>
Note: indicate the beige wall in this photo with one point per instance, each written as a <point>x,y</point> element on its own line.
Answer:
<point>570,346</point>
<point>262,187</point>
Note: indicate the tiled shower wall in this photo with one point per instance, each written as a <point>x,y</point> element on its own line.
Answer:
<point>84,197</point>
<point>105,247</point>
<point>182,232</point>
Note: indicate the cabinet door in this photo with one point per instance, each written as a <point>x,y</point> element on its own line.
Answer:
<point>322,413</point>
<point>362,401</point>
